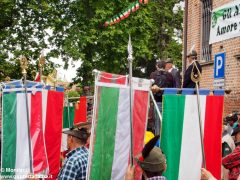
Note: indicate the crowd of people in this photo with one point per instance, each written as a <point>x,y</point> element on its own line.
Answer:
<point>151,160</point>
<point>167,75</point>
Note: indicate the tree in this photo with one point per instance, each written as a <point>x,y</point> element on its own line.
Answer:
<point>78,33</point>
<point>23,26</point>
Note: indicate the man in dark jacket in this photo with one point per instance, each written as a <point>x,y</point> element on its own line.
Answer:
<point>163,79</point>
<point>194,67</point>
<point>175,73</point>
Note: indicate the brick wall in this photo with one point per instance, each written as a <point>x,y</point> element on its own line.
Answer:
<point>231,47</point>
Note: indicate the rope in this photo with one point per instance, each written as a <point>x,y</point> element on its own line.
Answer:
<point>195,77</point>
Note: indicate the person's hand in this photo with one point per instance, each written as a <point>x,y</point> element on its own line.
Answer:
<point>130,173</point>
<point>155,88</point>
<point>206,175</point>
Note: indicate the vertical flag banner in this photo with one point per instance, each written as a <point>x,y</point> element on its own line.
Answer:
<point>15,144</point>
<point>53,130</point>
<point>180,138</point>
<point>45,109</point>
<point>66,121</point>
<point>81,113</point>
<point>110,141</point>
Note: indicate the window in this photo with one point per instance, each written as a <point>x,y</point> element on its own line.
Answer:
<point>206,23</point>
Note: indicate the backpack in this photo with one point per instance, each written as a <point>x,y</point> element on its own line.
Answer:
<point>164,79</point>
<point>226,150</point>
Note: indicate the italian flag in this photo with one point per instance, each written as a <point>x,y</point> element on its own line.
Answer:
<point>135,6</point>
<point>110,141</point>
<point>68,111</point>
<point>52,118</point>
<point>80,115</point>
<point>15,144</point>
<point>180,138</point>
<point>126,13</point>
<point>45,116</point>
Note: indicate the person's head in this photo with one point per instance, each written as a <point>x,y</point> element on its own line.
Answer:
<point>231,119</point>
<point>160,65</point>
<point>152,161</point>
<point>154,164</point>
<point>76,138</point>
<point>192,55</point>
<point>169,64</point>
<point>236,134</point>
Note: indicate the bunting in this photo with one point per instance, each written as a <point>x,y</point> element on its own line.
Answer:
<point>125,13</point>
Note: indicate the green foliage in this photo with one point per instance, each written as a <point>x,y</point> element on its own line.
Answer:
<point>23,26</point>
<point>78,33</point>
<point>73,94</point>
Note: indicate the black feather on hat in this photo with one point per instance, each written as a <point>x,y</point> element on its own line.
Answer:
<point>149,146</point>
<point>152,159</point>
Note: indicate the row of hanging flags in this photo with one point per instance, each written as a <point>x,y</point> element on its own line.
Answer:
<point>180,135</point>
<point>125,13</point>
<point>110,133</point>
<point>74,115</point>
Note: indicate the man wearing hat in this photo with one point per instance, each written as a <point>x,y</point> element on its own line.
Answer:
<point>75,165</point>
<point>152,161</point>
<point>194,68</point>
<point>236,133</point>
<point>232,161</point>
<point>163,79</point>
<point>153,165</point>
<point>175,73</point>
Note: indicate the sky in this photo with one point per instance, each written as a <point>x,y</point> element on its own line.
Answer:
<point>66,74</point>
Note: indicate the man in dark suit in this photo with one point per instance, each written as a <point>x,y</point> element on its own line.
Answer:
<point>163,79</point>
<point>194,67</point>
<point>175,73</point>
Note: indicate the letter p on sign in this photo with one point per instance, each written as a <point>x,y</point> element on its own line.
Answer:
<point>219,65</point>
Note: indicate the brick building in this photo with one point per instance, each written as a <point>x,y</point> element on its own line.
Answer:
<point>197,23</point>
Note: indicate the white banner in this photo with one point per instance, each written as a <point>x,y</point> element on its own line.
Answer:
<point>225,22</point>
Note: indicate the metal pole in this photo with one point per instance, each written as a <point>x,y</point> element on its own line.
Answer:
<point>200,126</point>
<point>40,65</point>
<point>68,110</point>
<point>24,66</point>
<point>196,77</point>
<point>130,59</point>
<point>158,112</point>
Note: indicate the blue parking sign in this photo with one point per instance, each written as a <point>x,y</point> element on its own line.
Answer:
<point>219,65</point>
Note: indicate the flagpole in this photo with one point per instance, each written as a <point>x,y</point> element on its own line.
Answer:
<point>196,78</point>
<point>68,112</point>
<point>158,113</point>
<point>130,60</point>
<point>24,66</point>
<point>40,65</point>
